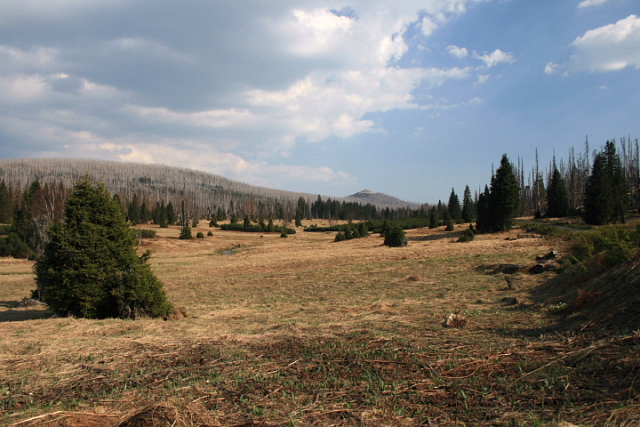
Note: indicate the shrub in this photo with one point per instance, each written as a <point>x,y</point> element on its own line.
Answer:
<point>5,230</point>
<point>209,234</point>
<point>467,236</point>
<point>284,235</point>
<point>396,237</point>
<point>90,267</point>
<point>14,246</point>
<point>147,234</point>
<point>200,235</point>
<point>339,237</point>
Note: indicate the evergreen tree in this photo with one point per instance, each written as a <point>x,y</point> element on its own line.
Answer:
<point>22,220</point>
<point>133,211</point>
<point>90,267</point>
<point>557,197</point>
<point>433,218</point>
<point>504,200</point>
<point>467,205</point>
<point>160,215</point>
<point>483,221</point>
<point>145,215</point>
<point>396,237</point>
<point>455,212</point>
<point>599,205</point>
<point>171,214</point>
<point>448,221</point>
<point>363,230</point>
<point>6,204</point>
<point>620,188</point>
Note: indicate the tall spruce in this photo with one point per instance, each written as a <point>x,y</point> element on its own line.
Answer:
<point>467,205</point>
<point>90,267</point>
<point>620,195</point>
<point>598,203</point>
<point>606,192</point>
<point>483,221</point>
<point>455,211</point>
<point>557,197</point>
<point>133,211</point>
<point>504,200</point>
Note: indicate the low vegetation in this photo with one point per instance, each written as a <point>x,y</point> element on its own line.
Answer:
<point>301,331</point>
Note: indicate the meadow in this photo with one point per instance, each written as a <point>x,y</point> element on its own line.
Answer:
<point>302,331</point>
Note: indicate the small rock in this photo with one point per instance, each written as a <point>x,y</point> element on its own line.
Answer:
<point>537,269</point>
<point>455,320</point>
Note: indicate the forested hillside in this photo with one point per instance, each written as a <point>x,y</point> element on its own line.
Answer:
<point>158,183</point>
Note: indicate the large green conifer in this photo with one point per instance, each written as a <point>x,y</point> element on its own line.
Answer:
<point>467,205</point>
<point>557,197</point>
<point>504,200</point>
<point>455,211</point>
<point>90,267</point>
<point>599,205</point>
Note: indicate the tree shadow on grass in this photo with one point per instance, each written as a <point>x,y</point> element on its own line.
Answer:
<point>432,237</point>
<point>15,313</point>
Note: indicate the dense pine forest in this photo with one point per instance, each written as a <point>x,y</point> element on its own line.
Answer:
<point>598,185</point>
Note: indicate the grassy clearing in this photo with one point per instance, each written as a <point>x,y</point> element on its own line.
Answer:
<point>303,331</point>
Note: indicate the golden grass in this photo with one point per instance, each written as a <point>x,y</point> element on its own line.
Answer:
<point>300,331</point>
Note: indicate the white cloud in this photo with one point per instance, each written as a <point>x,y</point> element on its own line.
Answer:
<point>233,117</point>
<point>458,52</point>
<point>428,25</point>
<point>326,73</point>
<point>482,78</point>
<point>38,58</point>
<point>587,3</point>
<point>608,48</point>
<point>494,58</point>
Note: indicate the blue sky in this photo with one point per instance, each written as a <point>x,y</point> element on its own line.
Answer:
<point>408,98</point>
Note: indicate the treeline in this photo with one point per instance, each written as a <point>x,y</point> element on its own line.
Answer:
<point>600,192</point>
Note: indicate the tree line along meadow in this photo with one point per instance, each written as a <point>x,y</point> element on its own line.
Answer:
<point>85,249</point>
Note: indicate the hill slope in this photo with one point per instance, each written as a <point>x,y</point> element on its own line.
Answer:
<point>159,182</point>
<point>381,199</point>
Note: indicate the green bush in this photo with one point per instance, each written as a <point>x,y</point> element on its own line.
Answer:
<point>284,235</point>
<point>200,235</point>
<point>90,267</point>
<point>339,237</point>
<point>14,246</point>
<point>209,234</point>
<point>147,234</point>
<point>5,229</point>
<point>467,236</point>
<point>396,237</point>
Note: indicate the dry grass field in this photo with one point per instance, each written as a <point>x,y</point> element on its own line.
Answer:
<point>301,331</point>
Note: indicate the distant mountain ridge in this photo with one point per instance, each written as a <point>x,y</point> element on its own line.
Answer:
<point>165,183</point>
<point>381,199</point>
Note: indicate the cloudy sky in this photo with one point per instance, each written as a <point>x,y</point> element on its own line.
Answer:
<point>409,98</point>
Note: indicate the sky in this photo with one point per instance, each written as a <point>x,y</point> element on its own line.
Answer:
<point>408,98</point>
